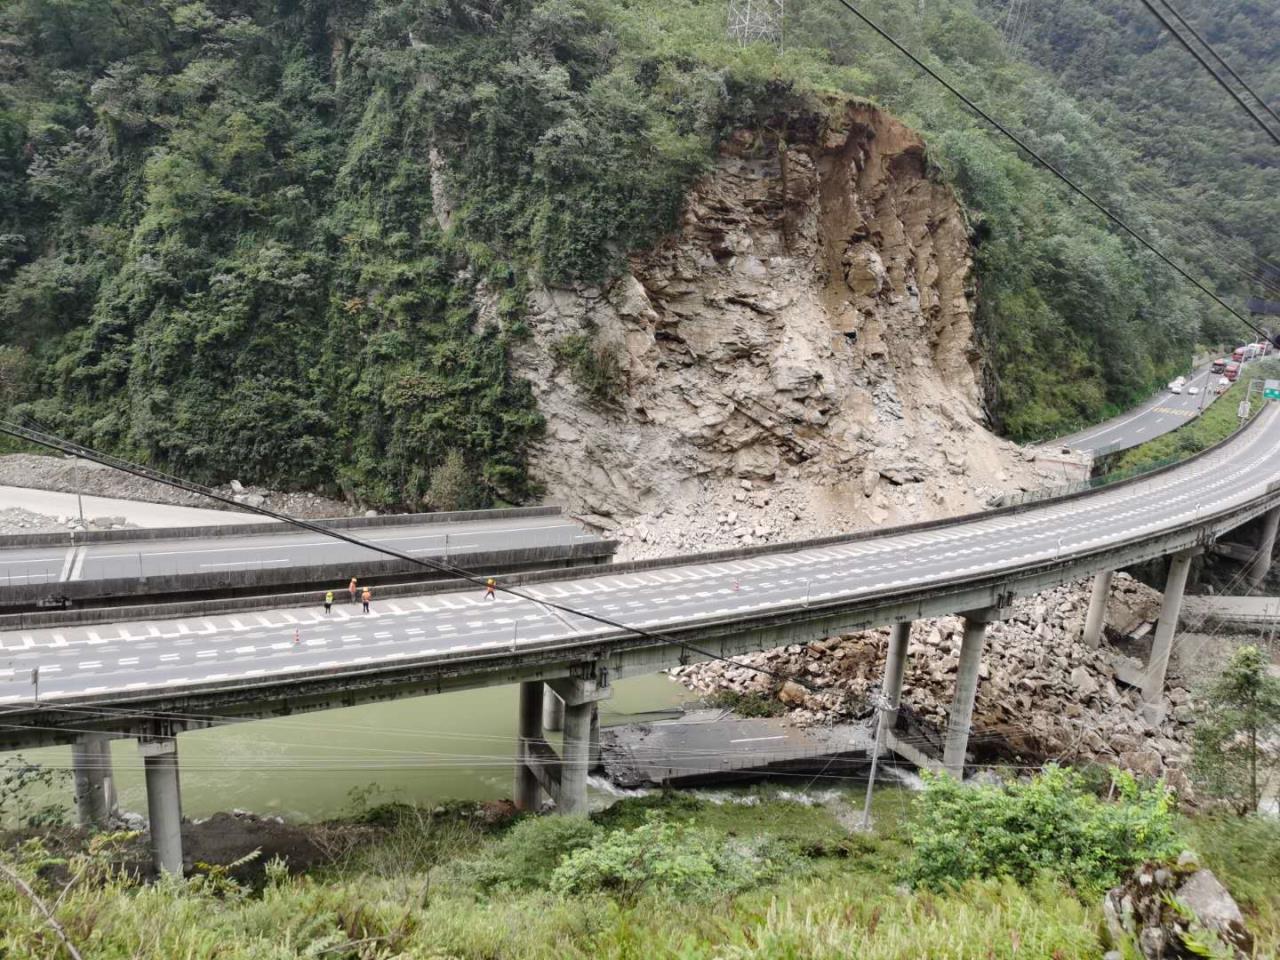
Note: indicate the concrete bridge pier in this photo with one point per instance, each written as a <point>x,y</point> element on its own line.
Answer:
<point>895,667</point>
<point>95,788</point>
<point>960,718</point>
<point>1096,618</point>
<point>528,791</point>
<point>552,711</point>
<point>1266,547</point>
<point>581,701</point>
<point>539,770</point>
<point>1162,644</point>
<point>164,801</point>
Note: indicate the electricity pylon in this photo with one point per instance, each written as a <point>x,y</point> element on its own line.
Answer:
<point>756,21</point>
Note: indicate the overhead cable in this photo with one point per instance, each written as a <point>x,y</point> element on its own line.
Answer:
<point>147,473</point>
<point>1076,188</point>
<point>1212,72</point>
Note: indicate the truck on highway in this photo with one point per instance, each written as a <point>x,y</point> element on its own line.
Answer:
<point>1219,365</point>
<point>1232,371</point>
<point>1237,355</point>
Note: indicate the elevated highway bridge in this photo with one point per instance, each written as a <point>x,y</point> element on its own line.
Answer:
<point>155,679</point>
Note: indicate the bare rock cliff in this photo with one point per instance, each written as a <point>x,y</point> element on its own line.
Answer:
<point>798,355</point>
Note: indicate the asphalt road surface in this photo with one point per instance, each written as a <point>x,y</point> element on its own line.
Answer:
<point>1161,414</point>
<point>168,655</point>
<point>153,558</point>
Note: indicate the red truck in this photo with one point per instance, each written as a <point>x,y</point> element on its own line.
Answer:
<point>1238,355</point>
<point>1219,366</point>
<point>1232,371</point>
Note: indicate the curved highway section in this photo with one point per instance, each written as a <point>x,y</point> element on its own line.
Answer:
<point>136,660</point>
<point>1163,413</point>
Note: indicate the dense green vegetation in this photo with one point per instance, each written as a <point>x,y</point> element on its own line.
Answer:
<point>219,252</point>
<point>655,877</point>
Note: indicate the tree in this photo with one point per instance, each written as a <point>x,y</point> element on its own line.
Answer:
<point>1236,748</point>
<point>452,485</point>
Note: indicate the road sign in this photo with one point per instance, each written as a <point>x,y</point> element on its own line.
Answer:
<point>1271,390</point>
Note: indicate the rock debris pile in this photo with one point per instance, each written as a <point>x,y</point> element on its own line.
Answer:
<point>1042,693</point>
<point>56,473</point>
<point>15,520</point>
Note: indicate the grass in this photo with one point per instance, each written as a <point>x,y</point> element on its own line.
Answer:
<point>1216,423</point>
<point>408,892</point>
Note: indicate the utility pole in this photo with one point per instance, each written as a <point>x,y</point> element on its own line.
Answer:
<point>756,21</point>
<point>75,467</point>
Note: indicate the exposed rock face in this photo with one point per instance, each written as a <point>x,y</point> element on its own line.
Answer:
<point>1042,693</point>
<point>809,327</point>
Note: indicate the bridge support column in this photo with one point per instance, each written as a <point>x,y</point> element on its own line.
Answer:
<point>960,718</point>
<point>574,759</point>
<point>528,792</point>
<point>1266,547</point>
<point>1096,618</point>
<point>895,666</point>
<point>94,784</point>
<point>164,802</point>
<point>552,711</point>
<point>581,697</point>
<point>1167,627</point>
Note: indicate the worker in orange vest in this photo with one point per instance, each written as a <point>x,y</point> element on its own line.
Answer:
<point>365,598</point>
<point>352,589</point>
<point>488,589</point>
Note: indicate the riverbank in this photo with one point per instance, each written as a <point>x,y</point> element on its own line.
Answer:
<point>763,874</point>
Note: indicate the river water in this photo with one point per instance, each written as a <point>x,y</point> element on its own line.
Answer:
<point>312,766</point>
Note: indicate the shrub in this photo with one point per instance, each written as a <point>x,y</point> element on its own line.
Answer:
<point>525,857</point>
<point>593,367</point>
<point>748,704</point>
<point>667,858</point>
<point>1048,824</point>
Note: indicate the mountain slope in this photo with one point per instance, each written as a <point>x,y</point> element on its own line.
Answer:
<point>297,244</point>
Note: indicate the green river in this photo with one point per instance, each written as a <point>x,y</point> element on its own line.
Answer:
<point>306,767</point>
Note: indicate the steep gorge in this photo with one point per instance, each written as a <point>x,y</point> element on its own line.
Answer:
<point>800,353</point>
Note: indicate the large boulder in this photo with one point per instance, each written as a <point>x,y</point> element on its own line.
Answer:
<point>1169,913</point>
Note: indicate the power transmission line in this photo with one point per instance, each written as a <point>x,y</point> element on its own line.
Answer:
<point>147,473</point>
<point>1217,56</point>
<point>1212,72</point>
<point>889,38</point>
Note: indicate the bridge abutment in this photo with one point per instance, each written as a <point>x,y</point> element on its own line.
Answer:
<point>164,801</point>
<point>1261,564</point>
<point>95,789</point>
<point>1096,618</point>
<point>1167,627</point>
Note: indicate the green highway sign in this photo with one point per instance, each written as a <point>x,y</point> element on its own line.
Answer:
<point>1271,389</point>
